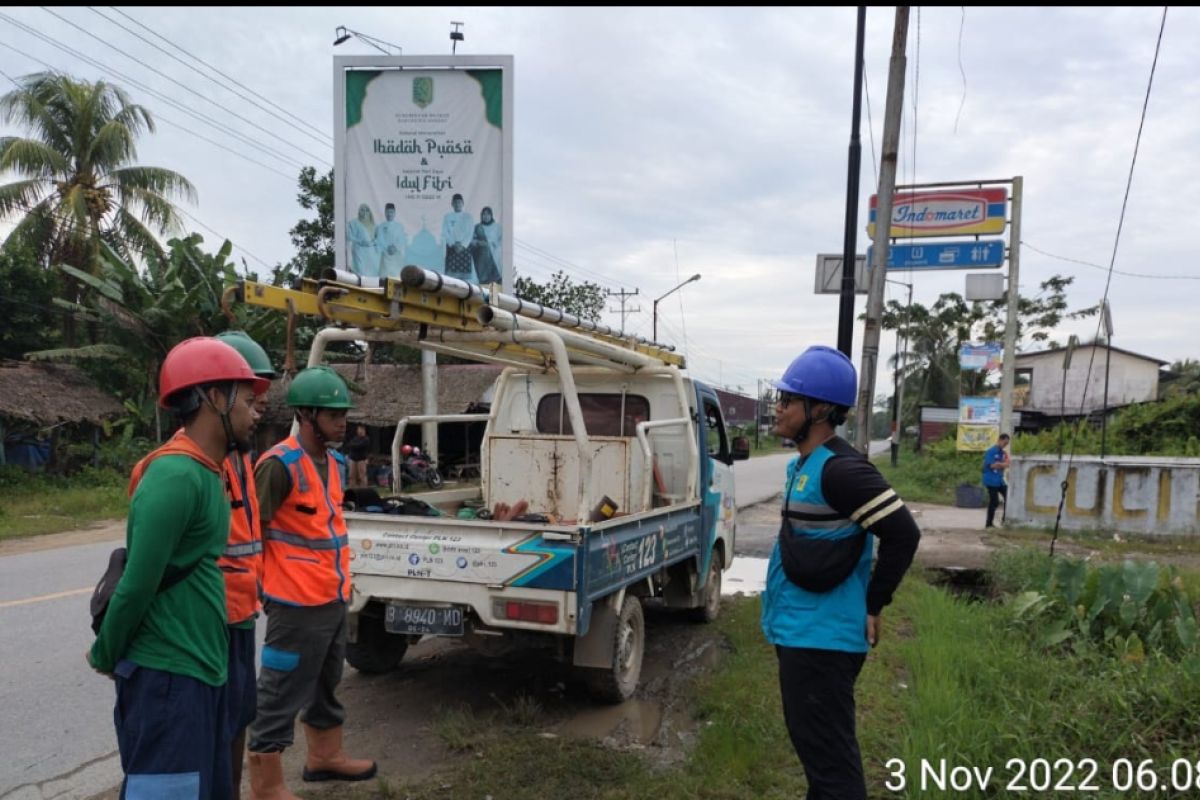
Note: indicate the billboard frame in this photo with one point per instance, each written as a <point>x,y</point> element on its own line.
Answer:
<point>429,62</point>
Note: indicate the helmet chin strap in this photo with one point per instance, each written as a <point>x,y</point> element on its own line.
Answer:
<point>806,428</point>
<point>230,442</point>
<point>311,415</point>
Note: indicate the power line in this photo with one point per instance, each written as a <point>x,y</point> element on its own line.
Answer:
<point>323,138</point>
<point>1148,275</point>
<point>561,261</point>
<point>962,22</point>
<point>158,115</point>
<point>153,93</point>
<point>1137,143</point>
<point>187,88</point>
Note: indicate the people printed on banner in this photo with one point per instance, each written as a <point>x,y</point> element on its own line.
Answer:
<point>360,233</point>
<point>390,240</point>
<point>458,227</point>
<point>485,247</point>
<point>466,250</point>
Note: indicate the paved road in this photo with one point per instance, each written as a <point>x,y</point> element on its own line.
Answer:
<point>60,710</point>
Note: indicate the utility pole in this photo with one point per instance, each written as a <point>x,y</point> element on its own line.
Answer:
<point>850,242</point>
<point>898,387</point>
<point>883,229</point>
<point>624,295</point>
<point>758,409</point>
<point>1008,370</point>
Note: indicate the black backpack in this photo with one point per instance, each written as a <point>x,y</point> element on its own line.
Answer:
<point>112,576</point>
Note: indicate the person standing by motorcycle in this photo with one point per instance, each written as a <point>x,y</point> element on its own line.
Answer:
<point>306,586</point>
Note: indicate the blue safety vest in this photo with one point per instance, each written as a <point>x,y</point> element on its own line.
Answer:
<point>794,617</point>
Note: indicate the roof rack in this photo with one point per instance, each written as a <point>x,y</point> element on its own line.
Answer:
<point>453,316</point>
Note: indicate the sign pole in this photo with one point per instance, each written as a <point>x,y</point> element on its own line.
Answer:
<point>1009,370</point>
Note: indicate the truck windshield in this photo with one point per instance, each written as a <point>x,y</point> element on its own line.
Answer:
<point>603,414</point>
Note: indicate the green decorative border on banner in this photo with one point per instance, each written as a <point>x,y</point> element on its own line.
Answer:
<point>491,83</point>
<point>356,93</point>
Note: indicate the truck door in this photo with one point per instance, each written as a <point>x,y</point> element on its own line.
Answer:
<point>716,474</point>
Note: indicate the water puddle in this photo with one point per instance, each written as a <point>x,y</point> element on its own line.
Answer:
<point>748,575</point>
<point>641,720</point>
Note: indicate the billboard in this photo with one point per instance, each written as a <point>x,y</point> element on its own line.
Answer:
<point>423,168</point>
<point>985,356</point>
<point>954,212</point>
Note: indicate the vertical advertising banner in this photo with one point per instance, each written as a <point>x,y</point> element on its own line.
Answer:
<point>978,423</point>
<point>423,176</point>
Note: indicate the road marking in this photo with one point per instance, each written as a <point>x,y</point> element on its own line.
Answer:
<point>41,597</point>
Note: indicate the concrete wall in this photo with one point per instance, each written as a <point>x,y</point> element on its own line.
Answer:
<point>1131,380</point>
<point>1126,493</point>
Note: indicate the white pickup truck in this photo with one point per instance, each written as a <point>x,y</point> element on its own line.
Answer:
<point>621,461</point>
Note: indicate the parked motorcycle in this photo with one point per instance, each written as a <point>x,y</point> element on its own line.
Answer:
<point>416,468</point>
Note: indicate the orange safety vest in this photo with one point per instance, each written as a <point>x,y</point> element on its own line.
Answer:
<point>242,562</point>
<point>306,558</point>
<point>178,445</point>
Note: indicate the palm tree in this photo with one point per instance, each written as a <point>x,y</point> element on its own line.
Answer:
<point>80,186</point>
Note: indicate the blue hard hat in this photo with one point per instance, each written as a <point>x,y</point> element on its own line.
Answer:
<point>821,373</point>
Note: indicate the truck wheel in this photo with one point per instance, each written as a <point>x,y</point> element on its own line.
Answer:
<point>617,683</point>
<point>376,650</point>
<point>711,607</point>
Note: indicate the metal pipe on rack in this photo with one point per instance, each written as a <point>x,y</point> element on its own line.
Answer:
<point>426,280</point>
<point>507,321</point>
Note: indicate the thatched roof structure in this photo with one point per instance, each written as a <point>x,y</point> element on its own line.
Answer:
<point>391,391</point>
<point>51,394</point>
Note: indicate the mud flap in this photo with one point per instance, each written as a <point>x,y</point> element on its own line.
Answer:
<point>595,648</point>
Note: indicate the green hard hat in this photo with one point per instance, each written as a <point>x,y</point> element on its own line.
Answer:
<point>318,387</point>
<point>250,350</point>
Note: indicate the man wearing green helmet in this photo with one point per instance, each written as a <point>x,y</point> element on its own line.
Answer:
<point>306,587</point>
<point>242,564</point>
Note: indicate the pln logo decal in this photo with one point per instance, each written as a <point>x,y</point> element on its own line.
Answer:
<point>422,92</point>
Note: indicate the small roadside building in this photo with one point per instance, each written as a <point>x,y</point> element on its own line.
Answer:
<point>1047,393</point>
<point>39,400</point>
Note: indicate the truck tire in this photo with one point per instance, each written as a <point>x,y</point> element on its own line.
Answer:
<point>376,650</point>
<point>708,610</point>
<point>617,683</point>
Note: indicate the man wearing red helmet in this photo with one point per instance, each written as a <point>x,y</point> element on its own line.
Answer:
<point>164,638</point>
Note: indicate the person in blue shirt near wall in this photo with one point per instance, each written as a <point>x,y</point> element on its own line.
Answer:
<point>823,601</point>
<point>995,461</point>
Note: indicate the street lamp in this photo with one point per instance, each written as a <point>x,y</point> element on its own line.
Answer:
<point>342,35</point>
<point>695,277</point>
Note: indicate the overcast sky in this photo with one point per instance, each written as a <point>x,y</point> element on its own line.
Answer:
<point>651,144</point>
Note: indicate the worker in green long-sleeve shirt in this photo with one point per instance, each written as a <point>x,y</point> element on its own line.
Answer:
<point>164,639</point>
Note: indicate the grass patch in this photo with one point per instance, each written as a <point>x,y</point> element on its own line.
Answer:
<point>33,504</point>
<point>933,475</point>
<point>951,679</point>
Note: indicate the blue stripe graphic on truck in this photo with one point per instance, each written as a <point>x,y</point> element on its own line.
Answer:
<point>554,568</point>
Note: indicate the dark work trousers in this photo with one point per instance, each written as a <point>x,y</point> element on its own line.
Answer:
<point>301,668</point>
<point>242,704</point>
<point>994,495</point>
<point>818,707</point>
<point>172,734</point>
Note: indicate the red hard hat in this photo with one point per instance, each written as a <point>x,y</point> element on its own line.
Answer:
<point>200,360</point>
<point>406,450</point>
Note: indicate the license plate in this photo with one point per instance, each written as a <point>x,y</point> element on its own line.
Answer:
<point>440,620</point>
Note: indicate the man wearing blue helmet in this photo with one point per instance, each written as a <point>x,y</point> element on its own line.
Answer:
<point>822,602</point>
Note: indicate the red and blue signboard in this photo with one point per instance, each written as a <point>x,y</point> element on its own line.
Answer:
<point>953,212</point>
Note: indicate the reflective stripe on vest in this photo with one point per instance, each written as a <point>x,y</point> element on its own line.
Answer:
<point>241,563</point>
<point>306,553</point>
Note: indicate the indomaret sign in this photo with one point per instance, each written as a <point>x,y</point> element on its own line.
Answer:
<point>954,212</point>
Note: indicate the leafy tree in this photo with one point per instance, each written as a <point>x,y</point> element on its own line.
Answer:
<point>929,363</point>
<point>1183,378</point>
<point>79,185</point>
<point>142,314</point>
<point>30,321</point>
<point>583,299</point>
<point>313,238</point>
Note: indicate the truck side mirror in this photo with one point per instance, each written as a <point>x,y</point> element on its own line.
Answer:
<point>741,448</point>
